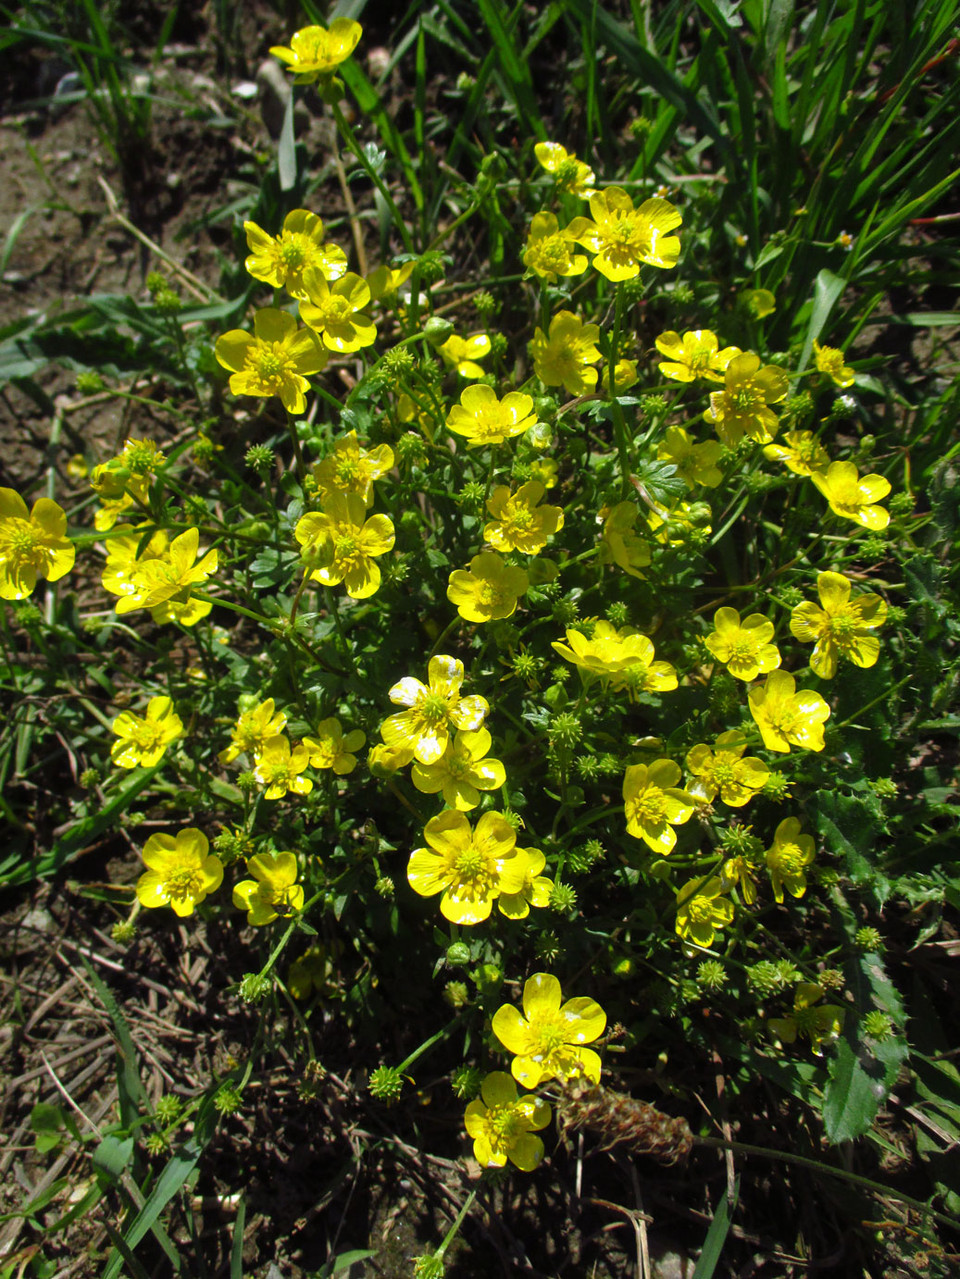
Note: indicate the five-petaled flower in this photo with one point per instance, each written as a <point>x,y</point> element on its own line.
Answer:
<point>548,1038</point>
<point>788,858</point>
<point>432,710</point>
<point>340,544</point>
<point>654,803</point>
<point>562,357</point>
<point>272,892</point>
<point>316,52</point>
<point>166,578</point>
<point>818,1022</point>
<point>551,252</point>
<point>723,769</point>
<point>128,551</point>
<point>462,771</point>
<point>252,731</point>
<point>742,407</point>
<point>623,658</point>
<point>484,419</point>
<point>800,452</point>
<point>519,522</point>
<point>462,353</point>
<point>143,739</point>
<point>282,260</point>
<point>470,867</point>
<point>180,872</point>
<point>32,544</point>
<point>695,463</point>
<point>276,359</point>
<point>350,468</point>
<point>624,238</point>
<point>696,354</point>
<point>830,360</point>
<point>702,910</point>
<point>853,496</point>
<point>744,647</point>
<point>570,173</point>
<point>785,717</point>
<point>335,311</point>
<point>841,627</point>
<point>279,768</point>
<point>502,1124</point>
<point>330,747</point>
<point>488,590</point>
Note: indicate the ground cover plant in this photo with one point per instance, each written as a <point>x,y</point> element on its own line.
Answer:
<point>486,703</point>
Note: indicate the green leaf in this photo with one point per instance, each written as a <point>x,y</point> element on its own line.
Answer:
<point>112,1156</point>
<point>827,290</point>
<point>286,149</point>
<point>852,1096</point>
<point>716,1238</point>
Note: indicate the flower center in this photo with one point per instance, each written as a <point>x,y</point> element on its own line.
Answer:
<point>22,538</point>
<point>700,910</point>
<point>650,807</point>
<point>489,595</point>
<point>723,774</point>
<point>520,518</point>
<point>294,249</point>
<point>744,397</point>
<point>843,627</point>
<point>334,308</point>
<point>505,1126</point>
<point>742,648</point>
<point>183,885</point>
<point>346,550</point>
<point>434,708</point>
<point>789,859</point>
<point>268,362</point>
<point>347,469</point>
<point>147,736</point>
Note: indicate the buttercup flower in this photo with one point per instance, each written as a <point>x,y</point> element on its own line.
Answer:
<point>801,452</point>
<point>654,803</point>
<point>570,173</point>
<point>335,311</point>
<point>695,463</point>
<point>272,892</point>
<point>385,281</point>
<point>673,525</point>
<point>462,353</point>
<point>166,578</point>
<point>534,891</point>
<point>331,748</point>
<point>786,717</point>
<point>519,522</point>
<point>484,419</point>
<point>276,359</point>
<point>124,481</point>
<point>33,544</point>
<point>470,867</point>
<point>625,375</point>
<point>548,1039</point>
<point>619,544</point>
<point>278,768</point>
<point>351,468</point>
<point>702,910</point>
<point>253,730</point>
<point>384,760</point>
<point>316,52</point>
<point>180,872</point>
<point>550,252</point>
<point>340,544</point>
<point>544,469</point>
<point>135,492</point>
<point>830,361</point>
<point>502,1124</point>
<point>462,771</point>
<point>623,238</point>
<point>433,709</point>
<point>724,770</point>
<point>743,647</point>
<point>852,496</point>
<point>564,357</point>
<point>281,261</point>
<point>788,859</point>
<point>818,1024</point>
<point>621,658</point>
<point>144,740</point>
<point>742,407</point>
<point>696,354</point>
<point>840,627</point>
<point>488,590</point>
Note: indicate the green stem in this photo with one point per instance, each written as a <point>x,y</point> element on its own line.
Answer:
<point>619,422</point>
<point>455,1228</point>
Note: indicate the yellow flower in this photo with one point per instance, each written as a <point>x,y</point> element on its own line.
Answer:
<point>621,658</point>
<point>340,544</point>
<point>330,748</point>
<point>801,452</point>
<point>384,761</point>
<point>519,522</point>
<point>619,544</point>
<point>672,526</point>
<point>695,463</point>
<point>739,871</point>
<point>743,647</point>
<point>488,590</point>
<point>144,740</point>
<point>33,544</point>
<point>550,252</point>
<point>433,709</point>
<point>654,803</point>
<point>163,579</point>
<point>276,360</point>
<point>840,628</point>
<point>278,769</point>
<point>788,858</point>
<point>625,375</point>
<point>829,360</point>
<point>723,770</point>
<point>180,872</point>
<point>548,1039</point>
<point>544,469</point>
<point>534,891</point>
<point>462,353</point>
<point>462,771</point>
<point>741,408</point>
<point>563,358</point>
<point>696,354</point>
<point>272,892</point>
<point>759,302</point>
<point>253,729</point>
<point>502,1124</point>
<point>135,493</point>
<point>352,469</point>
<point>570,173</point>
<point>281,261</point>
<point>623,238</point>
<point>76,467</point>
<point>385,281</point>
<point>484,419</point>
<point>786,717</point>
<point>852,496</point>
<point>124,481</point>
<point>313,971</point>
<point>470,867</point>
<point>335,311</point>
<point>702,910</point>
<point>816,1023</point>
<point>316,52</point>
